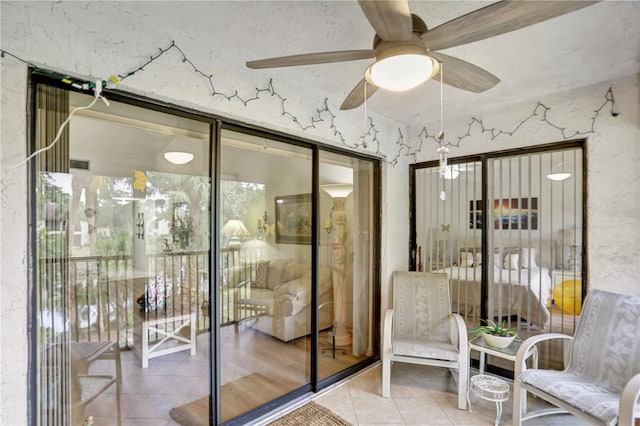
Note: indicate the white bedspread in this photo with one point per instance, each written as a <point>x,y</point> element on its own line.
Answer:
<point>524,293</point>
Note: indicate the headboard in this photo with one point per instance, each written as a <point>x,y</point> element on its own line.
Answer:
<point>543,253</point>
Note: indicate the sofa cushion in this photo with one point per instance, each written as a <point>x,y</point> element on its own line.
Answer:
<point>262,272</point>
<point>276,273</point>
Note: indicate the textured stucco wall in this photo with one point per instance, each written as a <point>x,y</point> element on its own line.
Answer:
<point>99,39</point>
<point>613,155</point>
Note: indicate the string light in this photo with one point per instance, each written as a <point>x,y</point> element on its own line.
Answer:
<point>540,111</point>
<point>326,115</point>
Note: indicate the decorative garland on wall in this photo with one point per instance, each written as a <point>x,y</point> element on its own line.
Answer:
<point>540,110</point>
<point>370,137</point>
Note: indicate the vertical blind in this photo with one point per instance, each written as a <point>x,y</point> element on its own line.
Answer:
<point>530,248</point>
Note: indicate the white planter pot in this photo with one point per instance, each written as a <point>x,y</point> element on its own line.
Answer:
<point>498,341</point>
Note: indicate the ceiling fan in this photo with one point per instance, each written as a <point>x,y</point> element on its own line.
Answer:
<point>404,43</point>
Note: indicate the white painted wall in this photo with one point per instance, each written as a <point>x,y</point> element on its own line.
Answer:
<point>99,39</point>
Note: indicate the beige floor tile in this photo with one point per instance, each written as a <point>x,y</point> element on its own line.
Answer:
<point>418,411</point>
<point>376,410</point>
<point>340,405</point>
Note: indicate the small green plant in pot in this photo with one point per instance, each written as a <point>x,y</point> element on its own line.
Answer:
<point>494,334</point>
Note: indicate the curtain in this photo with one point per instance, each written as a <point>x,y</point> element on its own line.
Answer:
<point>52,214</point>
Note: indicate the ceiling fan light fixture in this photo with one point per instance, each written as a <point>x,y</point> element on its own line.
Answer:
<point>402,72</point>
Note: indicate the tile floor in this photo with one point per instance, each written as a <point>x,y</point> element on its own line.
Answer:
<point>420,395</point>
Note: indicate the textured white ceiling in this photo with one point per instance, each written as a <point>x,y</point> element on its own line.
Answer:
<point>589,46</point>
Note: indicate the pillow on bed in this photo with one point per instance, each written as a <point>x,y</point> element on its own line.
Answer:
<point>511,261</point>
<point>528,258</point>
<point>466,259</point>
<point>497,260</point>
<point>478,261</point>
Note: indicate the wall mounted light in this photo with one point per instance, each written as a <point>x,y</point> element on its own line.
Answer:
<point>327,221</point>
<point>262,223</point>
<point>177,157</point>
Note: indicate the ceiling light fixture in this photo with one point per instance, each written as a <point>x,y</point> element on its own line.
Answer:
<point>177,157</point>
<point>401,68</point>
<point>451,172</point>
<point>558,176</point>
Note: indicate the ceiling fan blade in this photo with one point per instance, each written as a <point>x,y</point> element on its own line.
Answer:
<point>356,97</point>
<point>312,58</point>
<point>391,19</point>
<point>463,75</point>
<point>495,19</point>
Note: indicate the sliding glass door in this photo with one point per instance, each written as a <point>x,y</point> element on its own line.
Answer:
<point>266,271</point>
<point>122,261</point>
<point>507,228</point>
<point>284,281</point>
<point>162,295</point>
<point>346,263</point>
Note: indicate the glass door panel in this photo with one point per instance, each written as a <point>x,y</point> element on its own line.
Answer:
<point>122,263</point>
<point>265,265</point>
<point>535,237</point>
<point>449,231</point>
<point>346,269</point>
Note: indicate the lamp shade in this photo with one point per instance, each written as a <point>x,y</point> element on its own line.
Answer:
<point>234,228</point>
<point>338,190</point>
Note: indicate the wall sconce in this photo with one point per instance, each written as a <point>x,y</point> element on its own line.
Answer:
<point>327,222</point>
<point>262,223</point>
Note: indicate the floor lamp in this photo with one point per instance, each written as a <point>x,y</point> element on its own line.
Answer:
<point>339,231</point>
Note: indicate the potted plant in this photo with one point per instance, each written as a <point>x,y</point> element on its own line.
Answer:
<point>496,335</point>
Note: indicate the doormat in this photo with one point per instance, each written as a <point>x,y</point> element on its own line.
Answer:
<point>311,414</point>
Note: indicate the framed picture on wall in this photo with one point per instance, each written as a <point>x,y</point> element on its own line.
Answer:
<point>293,219</point>
<point>508,213</point>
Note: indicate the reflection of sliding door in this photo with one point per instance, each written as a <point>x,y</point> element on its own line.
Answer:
<point>510,239</point>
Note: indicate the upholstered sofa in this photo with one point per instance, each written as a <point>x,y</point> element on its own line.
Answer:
<point>278,300</point>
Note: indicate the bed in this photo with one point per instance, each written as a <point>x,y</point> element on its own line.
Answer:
<point>519,288</point>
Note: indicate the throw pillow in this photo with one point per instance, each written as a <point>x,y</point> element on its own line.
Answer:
<point>277,271</point>
<point>261,274</point>
<point>511,261</point>
<point>478,261</point>
<point>466,259</point>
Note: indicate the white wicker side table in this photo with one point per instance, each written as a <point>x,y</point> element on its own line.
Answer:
<point>489,388</point>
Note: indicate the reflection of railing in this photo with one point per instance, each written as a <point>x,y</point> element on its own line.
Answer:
<point>105,294</point>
